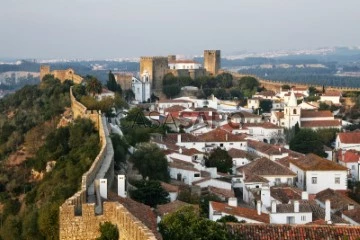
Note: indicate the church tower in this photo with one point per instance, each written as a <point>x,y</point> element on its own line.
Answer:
<point>292,112</point>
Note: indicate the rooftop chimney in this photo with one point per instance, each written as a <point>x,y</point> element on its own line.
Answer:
<point>304,195</point>
<point>258,207</point>
<point>121,186</point>
<point>327,211</point>
<point>273,206</point>
<point>351,206</point>
<point>180,150</point>
<point>179,138</point>
<point>232,202</point>
<point>296,206</point>
<point>227,137</point>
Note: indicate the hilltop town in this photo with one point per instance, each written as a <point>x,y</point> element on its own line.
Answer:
<point>179,147</point>
<point>188,138</point>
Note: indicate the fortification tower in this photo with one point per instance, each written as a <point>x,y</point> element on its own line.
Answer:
<point>212,61</point>
<point>156,67</point>
<point>44,69</point>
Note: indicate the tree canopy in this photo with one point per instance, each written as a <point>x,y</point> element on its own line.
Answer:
<point>151,162</point>
<point>108,231</point>
<point>150,193</point>
<point>308,141</point>
<point>93,85</point>
<point>220,159</point>
<point>112,85</point>
<point>186,224</point>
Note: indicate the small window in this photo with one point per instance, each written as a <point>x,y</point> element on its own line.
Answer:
<point>303,218</point>
<point>314,180</point>
<point>294,111</point>
<point>353,167</point>
<point>337,180</point>
<point>221,144</point>
<point>231,143</point>
<point>277,181</point>
<point>196,174</point>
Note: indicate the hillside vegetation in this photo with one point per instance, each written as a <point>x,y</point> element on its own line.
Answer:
<point>30,191</point>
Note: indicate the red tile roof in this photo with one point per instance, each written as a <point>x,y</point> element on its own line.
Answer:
<point>279,115</point>
<point>332,94</point>
<point>313,162</point>
<point>169,187</point>
<point>338,200</point>
<point>315,114</point>
<point>179,164</point>
<point>221,192</point>
<point>294,232</point>
<point>172,207</point>
<point>351,156</point>
<point>141,211</point>
<point>190,151</point>
<point>241,212</point>
<point>321,123</point>
<point>285,194</point>
<point>220,135</point>
<point>266,167</point>
<point>354,214</point>
<point>350,137</point>
<point>175,108</point>
<point>237,153</point>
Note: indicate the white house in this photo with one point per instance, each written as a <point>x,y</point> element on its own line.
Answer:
<point>351,160</point>
<point>184,171</point>
<point>171,189</point>
<point>315,174</point>
<point>141,88</point>
<point>253,103</point>
<point>218,210</point>
<point>348,141</point>
<point>266,150</point>
<point>293,213</point>
<point>221,183</point>
<point>331,96</point>
<point>272,171</point>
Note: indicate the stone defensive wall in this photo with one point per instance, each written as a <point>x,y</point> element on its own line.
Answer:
<point>86,227</point>
<point>275,85</point>
<point>78,219</point>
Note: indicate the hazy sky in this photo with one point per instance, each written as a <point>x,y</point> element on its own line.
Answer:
<point>118,28</point>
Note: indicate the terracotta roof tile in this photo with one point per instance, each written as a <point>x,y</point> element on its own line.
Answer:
<point>354,214</point>
<point>169,187</point>
<point>350,156</point>
<point>220,135</point>
<point>285,194</point>
<point>237,153</point>
<point>139,210</point>
<point>266,167</point>
<point>313,162</point>
<point>221,192</point>
<point>350,137</point>
<point>315,114</point>
<point>294,232</point>
<point>321,123</point>
<point>339,202</point>
<point>171,207</point>
<point>240,211</point>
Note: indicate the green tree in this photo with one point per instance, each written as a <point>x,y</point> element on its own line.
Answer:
<point>312,91</point>
<point>285,87</point>
<point>129,95</point>
<point>220,159</point>
<point>151,162</point>
<point>225,80</point>
<point>93,85</point>
<point>112,85</point>
<point>266,105</point>
<point>150,193</point>
<point>186,224</point>
<point>221,93</point>
<point>108,231</point>
<point>204,204</point>
<point>249,83</point>
<point>307,141</point>
<point>171,90</point>
<point>228,218</point>
<point>11,228</point>
<point>120,102</point>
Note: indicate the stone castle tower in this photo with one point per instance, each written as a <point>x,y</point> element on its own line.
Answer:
<point>44,70</point>
<point>212,61</point>
<point>156,67</point>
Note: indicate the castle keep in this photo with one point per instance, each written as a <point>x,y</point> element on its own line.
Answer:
<point>62,75</point>
<point>212,61</point>
<point>156,68</point>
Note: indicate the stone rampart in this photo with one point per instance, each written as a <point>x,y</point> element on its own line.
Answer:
<point>77,218</point>
<point>86,225</point>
